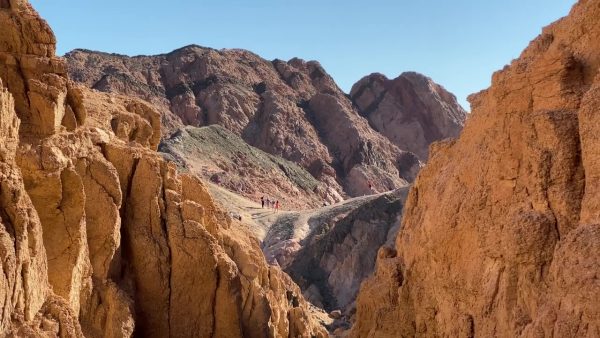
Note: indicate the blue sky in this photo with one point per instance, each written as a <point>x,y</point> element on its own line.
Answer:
<point>458,43</point>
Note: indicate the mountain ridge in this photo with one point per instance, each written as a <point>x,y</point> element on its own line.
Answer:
<point>291,109</point>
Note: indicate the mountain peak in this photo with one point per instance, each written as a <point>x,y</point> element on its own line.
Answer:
<point>411,110</point>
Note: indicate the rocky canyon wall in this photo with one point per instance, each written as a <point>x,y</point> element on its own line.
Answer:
<point>340,253</point>
<point>501,232</point>
<point>99,236</point>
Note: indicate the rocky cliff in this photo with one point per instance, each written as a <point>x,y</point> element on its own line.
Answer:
<point>340,251</point>
<point>289,109</point>
<point>99,236</point>
<point>501,233</point>
<point>411,110</point>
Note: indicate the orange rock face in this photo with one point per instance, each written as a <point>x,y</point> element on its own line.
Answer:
<point>501,233</point>
<point>99,236</point>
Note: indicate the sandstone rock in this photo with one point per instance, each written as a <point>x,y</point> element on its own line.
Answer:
<point>500,231</point>
<point>9,125</point>
<point>29,306</point>
<point>339,332</point>
<point>100,236</point>
<point>31,72</point>
<point>21,235</point>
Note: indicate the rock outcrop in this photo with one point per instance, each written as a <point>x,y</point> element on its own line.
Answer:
<point>291,109</point>
<point>340,252</point>
<point>501,232</point>
<point>99,236</point>
<point>410,110</point>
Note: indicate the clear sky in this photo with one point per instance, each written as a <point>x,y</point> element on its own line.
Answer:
<point>458,43</point>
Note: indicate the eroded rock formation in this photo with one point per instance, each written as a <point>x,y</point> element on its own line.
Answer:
<point>501,233</point>
<point>289,109</point>
<point>410,110</point>
<point>99,236</point>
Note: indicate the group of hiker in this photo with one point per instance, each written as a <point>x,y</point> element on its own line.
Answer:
<point>269,203</point>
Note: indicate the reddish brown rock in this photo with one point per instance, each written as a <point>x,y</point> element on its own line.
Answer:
<point>410,110</point>
<point>289,109</point>
<point>216,154</point>
<point>501,229</point>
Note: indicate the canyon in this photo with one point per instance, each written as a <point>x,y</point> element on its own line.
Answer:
<point>290,109</point>
<point>285,131</point>
<point>131,186</point>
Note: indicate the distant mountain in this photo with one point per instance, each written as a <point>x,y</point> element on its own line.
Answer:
<point>289,109</point>
<point>410,110</point>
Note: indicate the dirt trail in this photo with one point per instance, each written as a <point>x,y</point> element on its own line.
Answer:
<point>273,228</point>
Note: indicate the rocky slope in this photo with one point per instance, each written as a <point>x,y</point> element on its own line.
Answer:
<point>329,250</point>
<point>289,109</point>
<point>340,252</point>
<point>501,233</point>
<point>219,155</point>
<point>100,236</point>
<point>410,110</point>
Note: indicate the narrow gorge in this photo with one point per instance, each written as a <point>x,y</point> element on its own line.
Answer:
<point>214,193</point>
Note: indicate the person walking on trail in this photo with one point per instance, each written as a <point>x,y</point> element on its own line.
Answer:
<point>262,202</point>
<point>277,206</point>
